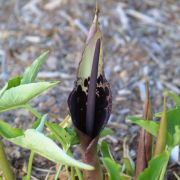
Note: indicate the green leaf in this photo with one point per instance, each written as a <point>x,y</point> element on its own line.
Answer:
<point>125,177</point>
<point>129,166</point>
<point>8,132</point>
<point>16,81</point>
<point>40,127</point>
<point>106,132</point>
<point>24,177</point>
<point>105,151</point>
<point>32,71</point>
<point>113,168</point>
<point>73,135</point>
<point>61,135</point>
<point>150,126</point>
<point>3,89</point>
<point>36,124</point>
<point>44,146</point>
<point>155,167</point>
<point>176,137</point>
<point>173,117</point>
<point>18,96</point>
<point>174,97</point>
<point>11,83</point>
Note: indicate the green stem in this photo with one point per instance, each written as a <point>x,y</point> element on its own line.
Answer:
<point>161,138</point>
<point>79,174</point>
<point>58,172</point>
<point>72,174</point>
<point>4,164</point>
<point>30,165</point>
<point>33,111</point>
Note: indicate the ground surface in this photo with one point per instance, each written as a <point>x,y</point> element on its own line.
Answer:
<point>141,39</point>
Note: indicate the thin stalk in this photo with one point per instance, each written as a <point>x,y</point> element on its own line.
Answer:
<point>33,111</point>
<point>58,172</point>
<point>4,164</point>
<point>72,174</point>
<point>30,165</point>
<point>161,138</point>
<point>79,174</point>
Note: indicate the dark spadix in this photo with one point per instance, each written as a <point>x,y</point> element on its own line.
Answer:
<point>90,101</point>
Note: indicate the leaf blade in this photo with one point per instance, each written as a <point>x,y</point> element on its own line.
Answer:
<point>21,95</point>
<point>31,72</point>
<point>44,146</point>
<point>150,126</point>
<point>9,132</point>
<point>155,167</point>
<point>112,167</point>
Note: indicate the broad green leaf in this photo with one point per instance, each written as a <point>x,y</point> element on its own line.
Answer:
<point>9,132</point>
<point>155,167</point>
<point>31,72</point>
<point>18,96</point>
<point>174,97</point>
<point>106,132</point>
<point>113,168</point>
<point>105,151</point>
<point>44,146</point>
<point>150,126</point>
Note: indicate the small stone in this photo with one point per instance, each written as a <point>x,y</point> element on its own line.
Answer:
<point>52,62</point>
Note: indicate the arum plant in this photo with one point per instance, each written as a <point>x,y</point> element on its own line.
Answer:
<point>90,100</point>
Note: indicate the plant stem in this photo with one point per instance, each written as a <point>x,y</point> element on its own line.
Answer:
<point>4,164</point>
<point>72,174</point>
<point>161,138</point>
<point>33,111</point>
<point>79,174</point>
<point>30,165</point>
<point>58,172</point>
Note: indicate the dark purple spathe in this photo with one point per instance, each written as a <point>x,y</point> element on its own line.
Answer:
<point>90,107</point>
